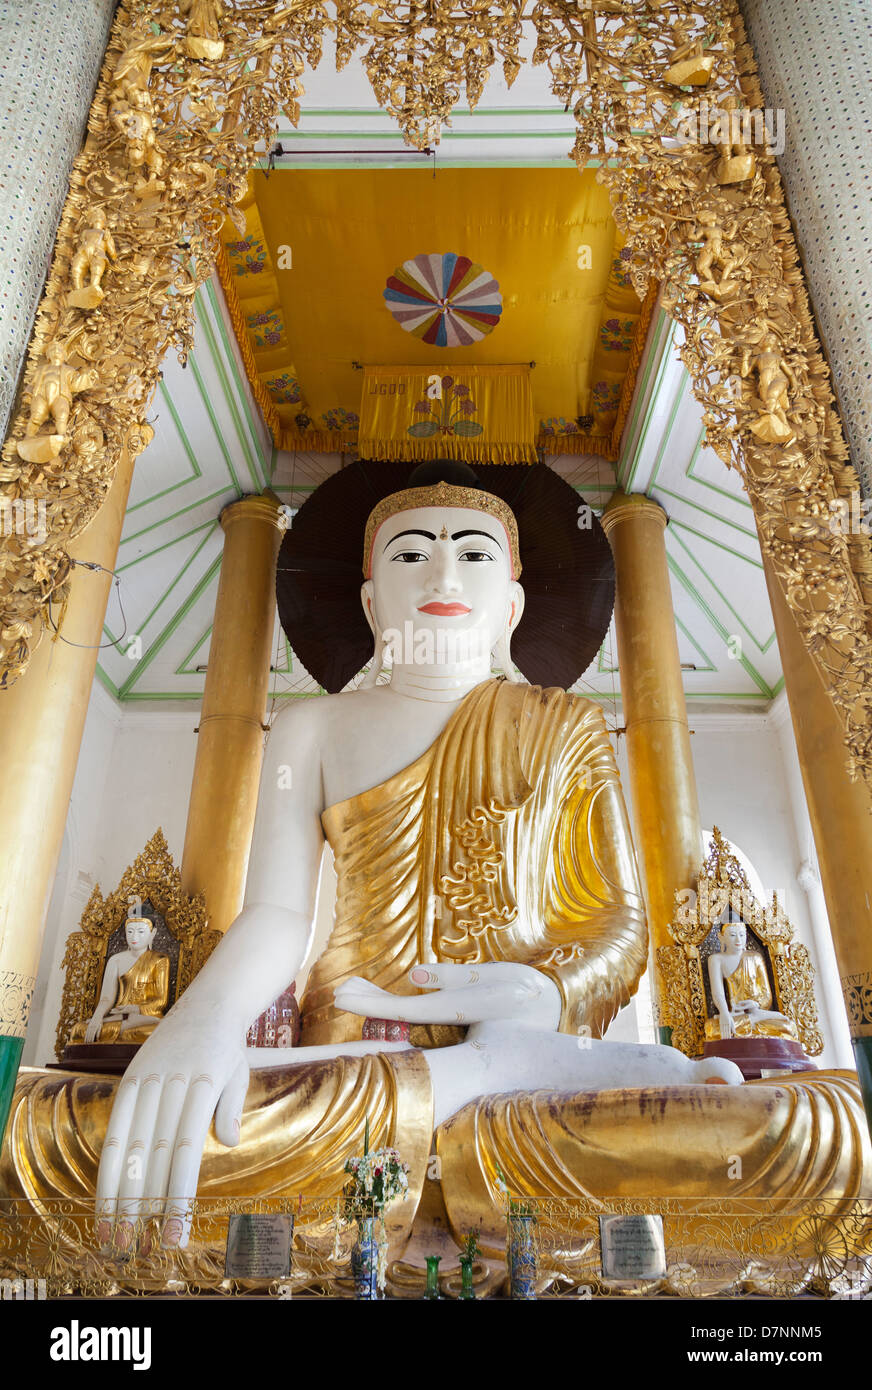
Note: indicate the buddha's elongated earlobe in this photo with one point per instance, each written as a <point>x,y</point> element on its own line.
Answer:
<point>503,648</point>
<point>378,655</point>
<point>378,661</point>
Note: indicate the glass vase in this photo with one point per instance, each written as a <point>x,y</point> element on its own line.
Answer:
<point>364,1259</point>
<point>432,1289</point>
<point>466,1289</point>
<point>521,1255</point>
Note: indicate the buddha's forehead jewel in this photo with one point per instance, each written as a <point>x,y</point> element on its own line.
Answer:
<point>442,495</point>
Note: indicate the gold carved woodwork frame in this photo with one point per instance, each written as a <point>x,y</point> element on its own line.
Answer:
<point>188,91</point>
<point>153,878</point>
<point>723,884</point>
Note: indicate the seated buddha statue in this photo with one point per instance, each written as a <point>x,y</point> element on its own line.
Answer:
<point>134,992</point>
<point>741,992</point>
<point>487,895</point>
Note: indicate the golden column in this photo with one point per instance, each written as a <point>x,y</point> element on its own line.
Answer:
<point>42,718</point>
<point>665,803</point>
<point>230,747</point>
<point>841,819</point>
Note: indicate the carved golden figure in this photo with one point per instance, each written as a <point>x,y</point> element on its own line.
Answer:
<point>51,396</point>
<point>741,992</point>
<point>132,114</point>
<point>774,376</point>
<point>134,993</point>
<point>203,39</point>
<point>737,163</point>
<point>713,253</point>
<point>96,249</point>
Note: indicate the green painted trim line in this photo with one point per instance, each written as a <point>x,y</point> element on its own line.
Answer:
<point>252,459</point>
<point>10,1061</point>
<point>241,384</point>
<point>630,429</point>
<point>309,165</point>
<point>762,647</point>
<point>710,666</point>
<point>165,595</point>
<point>662,366</point>
<point>728,550</point>
<point>182,669</point>
<point>645,399</point>
<point>201,387</point>
<point>722,520</point>
<point>396,135</point>
<point>376,111</point>
<point>704,482</point>
<point>171,626</point>
<point>717,624</point>
<point>107,682</point>
<point>196,471</point>
<point>778,686</point>
<point>863,1057</point>
<point>168,544</point>
<point>605,698</point>
<point>667,433</point>
<point>156,525</point>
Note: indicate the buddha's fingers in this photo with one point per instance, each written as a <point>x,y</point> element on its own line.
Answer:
<point>135,1156</point>
<point>157,1168</point>
<point>112,1155</point>
<point>445,975</point>
<point>198,1110</point>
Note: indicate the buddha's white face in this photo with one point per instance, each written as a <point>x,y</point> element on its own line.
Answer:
<point>442,581</point>
<point>733,937</point>
<point>139,932</point>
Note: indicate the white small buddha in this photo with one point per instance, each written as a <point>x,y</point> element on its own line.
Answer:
<point>741,992</point>
<point>134,992</point>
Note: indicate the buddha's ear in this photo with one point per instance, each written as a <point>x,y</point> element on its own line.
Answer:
<point>516,605</point>
<point>367,598</point>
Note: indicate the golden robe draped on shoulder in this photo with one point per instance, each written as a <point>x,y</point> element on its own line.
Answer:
<point>145,986</point>
<point>507,840</point>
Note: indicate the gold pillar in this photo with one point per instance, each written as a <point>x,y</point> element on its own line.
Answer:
<point>665,803</point>
<point>230,747</point>
<point>42,717</point>
<point>841,820</point>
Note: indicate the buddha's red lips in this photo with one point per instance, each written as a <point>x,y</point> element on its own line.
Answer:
<point>445,610</point>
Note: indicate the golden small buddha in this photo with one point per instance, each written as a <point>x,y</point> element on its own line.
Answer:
<point>741,991</point>
<point>134,993</point>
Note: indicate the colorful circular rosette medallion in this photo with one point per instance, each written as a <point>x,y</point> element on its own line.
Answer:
<point>448,300</point>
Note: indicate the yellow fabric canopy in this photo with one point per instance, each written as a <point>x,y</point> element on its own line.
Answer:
<point>338,268</point>
<point>475,413</point>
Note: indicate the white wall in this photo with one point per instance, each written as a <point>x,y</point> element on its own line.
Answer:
<point>134,775</point>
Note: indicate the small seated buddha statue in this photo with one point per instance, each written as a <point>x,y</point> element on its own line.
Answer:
<point>741,991</point>
<point>134,993</point>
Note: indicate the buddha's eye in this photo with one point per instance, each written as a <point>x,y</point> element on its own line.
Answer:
<point>476,556</point>
<point>410,557</point>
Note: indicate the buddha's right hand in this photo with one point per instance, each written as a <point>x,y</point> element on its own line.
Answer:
<point>191,1068</point>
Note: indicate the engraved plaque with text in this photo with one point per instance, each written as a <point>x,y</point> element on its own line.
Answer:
<point>632,1247</point>
<point>259,1245</point>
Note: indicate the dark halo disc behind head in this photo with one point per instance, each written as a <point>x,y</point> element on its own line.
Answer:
<point>568,572</point>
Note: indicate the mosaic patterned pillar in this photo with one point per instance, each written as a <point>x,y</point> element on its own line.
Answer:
<point>48,71</point>
<point>814,59</point>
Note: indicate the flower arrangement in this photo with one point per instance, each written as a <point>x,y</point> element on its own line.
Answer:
<point>376,1179</point>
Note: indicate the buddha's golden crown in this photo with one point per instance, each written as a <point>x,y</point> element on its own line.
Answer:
<point>442,495</point>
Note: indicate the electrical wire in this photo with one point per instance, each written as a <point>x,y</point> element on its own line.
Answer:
<point>88,646</point>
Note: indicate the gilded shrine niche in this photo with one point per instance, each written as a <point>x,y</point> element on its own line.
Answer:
<point>150,888</point>
<point>767,977</point>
